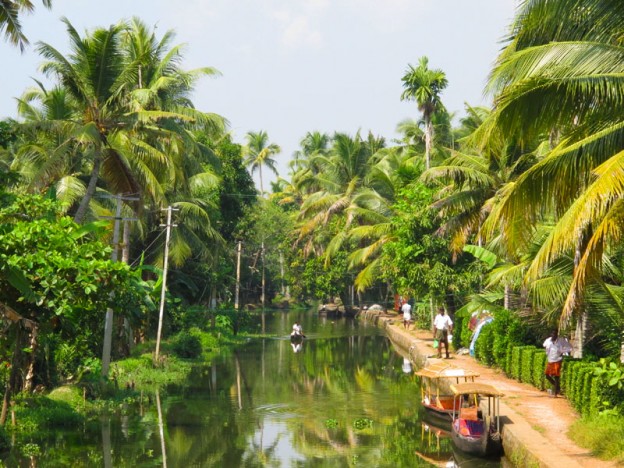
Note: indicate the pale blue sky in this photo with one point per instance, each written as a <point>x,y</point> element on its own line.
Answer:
<point>293,66</point>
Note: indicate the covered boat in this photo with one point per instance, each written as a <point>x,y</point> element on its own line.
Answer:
<point>476,419</point>
<point>435,396</point>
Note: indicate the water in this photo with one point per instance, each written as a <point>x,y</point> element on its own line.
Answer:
<point>346,399</point>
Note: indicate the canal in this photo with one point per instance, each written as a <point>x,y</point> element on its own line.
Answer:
<point>347,398</point>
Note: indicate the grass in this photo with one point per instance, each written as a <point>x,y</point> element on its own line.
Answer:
<point>602,434</point>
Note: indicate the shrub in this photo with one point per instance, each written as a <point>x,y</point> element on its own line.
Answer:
<point>485,343</point>
<point>516,361</point>
<point>526,364</point>
<point>567,372</point>
<point>187,345</point>
<point>539,366</point>
<point>5,442</point>
<point>36,413</point>
<point>461,333</point>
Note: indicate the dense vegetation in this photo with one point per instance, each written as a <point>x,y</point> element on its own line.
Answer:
<point>515,209</point>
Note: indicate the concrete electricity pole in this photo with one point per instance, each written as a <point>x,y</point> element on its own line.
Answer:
<point>238,260</point>
<point>164,281</point>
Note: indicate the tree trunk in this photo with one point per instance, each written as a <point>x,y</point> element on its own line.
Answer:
<point>84,204</point>
<point>578,340</point>
<point>507,299</point>
<point>30,373</point>
<point>12,382</point>
<point>428,141</point>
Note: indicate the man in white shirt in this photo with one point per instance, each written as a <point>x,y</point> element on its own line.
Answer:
<point>556,347</point>
<point>406,309</point>
<point>442,326</point>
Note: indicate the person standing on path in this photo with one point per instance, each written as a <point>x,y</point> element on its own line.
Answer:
<point>442,326</point>
<point>406,308</point>
<point>556,347</point>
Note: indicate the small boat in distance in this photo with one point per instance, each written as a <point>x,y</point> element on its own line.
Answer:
<point>436,398</point>
<point>476,425</point>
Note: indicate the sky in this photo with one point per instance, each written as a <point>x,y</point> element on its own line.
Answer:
<point>289,67</point>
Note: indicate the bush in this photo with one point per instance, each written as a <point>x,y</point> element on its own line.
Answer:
<point>34,413</point>
<point>187,345</point>
<point>539,366</point>
<point>5,442</point>
<point>485,343</point>
<point>567,372</point>
<point>516,361</point>
<point>526,364</point>
<point>461,333</point>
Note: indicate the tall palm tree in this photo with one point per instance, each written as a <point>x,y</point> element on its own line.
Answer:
<point>472,178</point>
<point>10,11</point>
<point>259,153</point>
<point>133,138</point>
<point>561,77</point>
<point>424,86</point>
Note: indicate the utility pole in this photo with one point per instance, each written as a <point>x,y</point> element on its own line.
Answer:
<point>164,280</point>
<point>238,261</point>
<point>282,272</point>
<point>108,323</point>
<point>263,277</point>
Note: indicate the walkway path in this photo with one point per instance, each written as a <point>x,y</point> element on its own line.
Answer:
<point>540,422</point>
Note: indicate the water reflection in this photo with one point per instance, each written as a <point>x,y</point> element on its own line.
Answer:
<point>345,398</point>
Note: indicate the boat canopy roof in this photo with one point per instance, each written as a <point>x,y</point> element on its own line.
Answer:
<point>442,370</point>
<point>475,387</point>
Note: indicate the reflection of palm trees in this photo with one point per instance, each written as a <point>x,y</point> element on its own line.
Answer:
<point>346,391</point>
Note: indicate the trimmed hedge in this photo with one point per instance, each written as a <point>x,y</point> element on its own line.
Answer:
<point>503,343</point>
<point>516,361</point>
<point>526,364</point>
<point>484,344</point>
<point>539,366</point>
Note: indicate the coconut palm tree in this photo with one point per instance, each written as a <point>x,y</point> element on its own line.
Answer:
<point>10,11</point>
<point>132,139</point>
<point>560,77</point>
<point>259,153</point>
<point>472,178</point>
<point>424,86</point>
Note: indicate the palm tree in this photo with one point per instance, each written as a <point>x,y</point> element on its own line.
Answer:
<point>560,78</point>
<point>472,178</point>
<point>425,86</point>
<point>259,153</point>
<point>10,11</point>
<point>133,139</point>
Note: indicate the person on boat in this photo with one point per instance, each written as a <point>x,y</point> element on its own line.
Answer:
<point>442,326</point>
<point>556,348</point>
<point>406,309</point>
<point>297,329</point>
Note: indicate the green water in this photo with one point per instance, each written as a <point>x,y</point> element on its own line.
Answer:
<point>346,399</point>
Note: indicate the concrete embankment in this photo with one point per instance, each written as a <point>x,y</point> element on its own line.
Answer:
<point>524,446</point>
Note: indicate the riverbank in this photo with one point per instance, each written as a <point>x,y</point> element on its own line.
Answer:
<point>535,426</point>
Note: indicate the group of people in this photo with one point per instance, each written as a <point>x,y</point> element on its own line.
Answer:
<point>442,326</point>
<point>556,346</point>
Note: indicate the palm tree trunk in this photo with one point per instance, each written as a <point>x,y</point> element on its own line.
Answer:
<point>428,141</point>
<point>581,322</point>
<point>84,204</point>
<point>260,175</point>
<point>507,298</point>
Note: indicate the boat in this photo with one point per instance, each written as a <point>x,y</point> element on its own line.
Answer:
<point>296,337</point>
<point>476,424</point>
<point>436,398</point>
